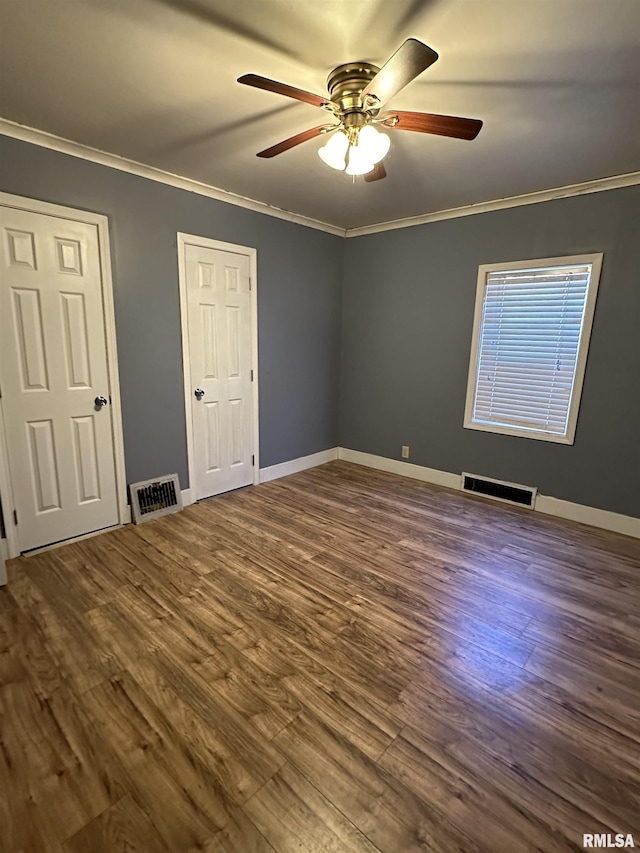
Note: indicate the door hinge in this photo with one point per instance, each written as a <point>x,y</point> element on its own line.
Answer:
<point>252,375</point>
<point>253,460</point>
<point>249,282</point>
<point>15,517</point>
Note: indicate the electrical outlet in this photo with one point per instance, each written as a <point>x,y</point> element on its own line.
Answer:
<point>405,451</point>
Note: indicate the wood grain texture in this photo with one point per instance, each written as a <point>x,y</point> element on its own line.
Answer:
<point>123,826</point>
<point>342,660</point>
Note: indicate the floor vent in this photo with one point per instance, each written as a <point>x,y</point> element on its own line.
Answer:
<point>499,490</point>
<point>152,498</point>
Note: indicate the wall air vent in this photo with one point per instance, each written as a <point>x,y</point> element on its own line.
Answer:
<point>152,498</point>
<point>510,493</point>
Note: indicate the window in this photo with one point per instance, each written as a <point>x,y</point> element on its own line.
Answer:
<point>530,339</point>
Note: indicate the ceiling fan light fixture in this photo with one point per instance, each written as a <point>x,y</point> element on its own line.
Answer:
<point>357,92</point>
<point>335,151</point>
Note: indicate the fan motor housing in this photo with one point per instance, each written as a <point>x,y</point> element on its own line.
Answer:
<point>346,82</point>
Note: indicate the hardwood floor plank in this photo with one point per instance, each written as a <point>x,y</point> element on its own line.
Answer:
<point>241,835</point>
<point>295,816</point>
<point>65,579</point>
<point>68,637</point>
<point>438,701</point>
<point>406,586</point>
<point>380,807</point>
<point>540,597</point>
<point>518,747</point>
<point>607,740</point>
<point>107,561</point>
<point>369,727</point>
<point>205,723</point>
<point>258,694</point>
<point>188,805</point>
<point>175,579</point>
<point>491,819</point>
<point>52,766</point>
<point>122,828</point>
<point>263,596</point>
<point>576,637</point>
<point>255,696</point>
<point>14,631</point>
<point>596,583</point>
<point>597,685</point>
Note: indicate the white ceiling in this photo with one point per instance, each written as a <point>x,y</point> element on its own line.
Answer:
<point>556,82</point>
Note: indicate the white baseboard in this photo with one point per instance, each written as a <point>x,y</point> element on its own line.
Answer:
<point>625,524</point>
<point>274,472</point>
<point>396,466</point>
<point>603,518</point>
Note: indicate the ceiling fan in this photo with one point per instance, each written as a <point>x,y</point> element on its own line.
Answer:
<point>357,93</point>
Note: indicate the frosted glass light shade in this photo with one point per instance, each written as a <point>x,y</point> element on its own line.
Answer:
<point>359,162</point>
<point>334,152</point>
<point>372,146</point>
<point>375,144</point>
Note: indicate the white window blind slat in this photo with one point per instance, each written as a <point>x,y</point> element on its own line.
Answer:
<point>528,345</point>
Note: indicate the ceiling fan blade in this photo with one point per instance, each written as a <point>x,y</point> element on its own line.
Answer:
<point>458,128</point>
<point>377,173</point>
<point>292,141</point>
<point>409,60</point>
<point>282,89</point>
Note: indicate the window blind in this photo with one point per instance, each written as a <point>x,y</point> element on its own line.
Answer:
<point>528,347</point>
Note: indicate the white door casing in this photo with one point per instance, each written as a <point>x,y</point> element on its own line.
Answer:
<point>219,330</point>
<point>62,465</point>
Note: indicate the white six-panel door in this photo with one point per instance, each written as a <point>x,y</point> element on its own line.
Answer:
<point>220,361</point>
<point>53,367</point>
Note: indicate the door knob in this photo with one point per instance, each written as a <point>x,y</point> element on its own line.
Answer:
<point>100,402</point>
<point>199,393</point>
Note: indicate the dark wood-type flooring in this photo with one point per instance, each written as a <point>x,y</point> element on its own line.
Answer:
<point>342,661</point>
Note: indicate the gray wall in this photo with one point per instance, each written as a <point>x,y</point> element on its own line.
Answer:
<point>299,282</point>
<point>408,303</point>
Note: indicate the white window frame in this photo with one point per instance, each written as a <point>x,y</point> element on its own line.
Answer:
<point>581,361</point>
